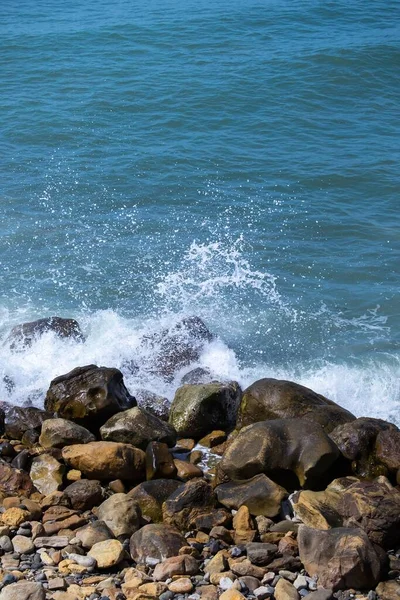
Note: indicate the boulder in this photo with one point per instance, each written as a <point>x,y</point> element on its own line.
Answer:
<point>138,427</point>
<point>387,449</point>
<point>121,514</point>
<point>23,590</point>
<point>277,448</point>
<point>14,482</point>
<point>197,375</point>
<point>106,461</point>
<point>279,399</point>
<point>89,395</point>
<point>153,403</point>
<point>46,474</point>
<point>260,494</point>
<point>150,496</point>
<point>374,506</point>
<point>188,502</point>
<point>198,409</point>
<point>318,509</point>
<point>177,347</point>
<point>154,543</point>
<point>84,494</point>
<point>20,419</point>
<point>93,533</point>
<point>24,335</point>
<point>341,558</point>
<point>107,553</point>
<point>57,433</point>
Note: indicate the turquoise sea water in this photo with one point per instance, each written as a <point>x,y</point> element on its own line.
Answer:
<point>234,160</point>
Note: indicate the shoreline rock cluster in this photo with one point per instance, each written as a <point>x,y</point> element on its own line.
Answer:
<point>269,492</point>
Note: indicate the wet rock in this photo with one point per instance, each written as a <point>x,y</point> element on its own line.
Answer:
<point>150,496</point>
<point>198,375</point>
<point>387,449</point>
<point>260,494</point>
<point>93,533</point>
<point>121,514</point>
<point>199,409</point>
<point>177,346</point>
<point>188,502</point>
<point>107,554</point>
<point>185,470</point>
<point>154,404</point>
<point>341,558</point>
<point>176,565</point>
<point>84,494</point>
<point>138,427</point>
<point>375,508</point>
<point>155,542</point>
<point>57,433</point>
<point>89,395</point>
<point>215,438</point>
<point>106,461</point>
<point>279,399</point>
<point>23,590</point>
<point>23,335</point>
<point>22,460</point>
<point>46,473</point>
<point>159,462</point>
<point>14,482</point>
<point>276,448</point>
<point>19,420</point>
<point>356,441</point>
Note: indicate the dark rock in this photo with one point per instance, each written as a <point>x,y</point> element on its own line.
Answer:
<point>138,427</point>
<point>150,496</point>
<point>57,433</point>
<point>260,494</point>
<point>84,494</point>
<point>387,448</point>
<point>14,482</point>
<point>7,450</point>
<point>261,554</point>
<point>23,335</point>
<point>196,376</point>
<point>154,404</point>
<point>18,420</point>
<point>155,542</point>
<point>22,460</point>
<point>279,399</point>
<point>199,409</point>
<point>188,502</point>
<point>341,558</point>
<point>106,461</point>
<point>208,520</point>
<point>89,395</point>
<point>278,447</point>
<point>159,462</point>
<point>356,441</point>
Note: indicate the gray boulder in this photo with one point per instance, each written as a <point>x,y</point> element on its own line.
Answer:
<point>138,427</point>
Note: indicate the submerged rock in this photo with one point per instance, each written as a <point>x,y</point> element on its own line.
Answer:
<point>23,335</point>
<point>276,448</point>
<point>279,399</point>
<point>199,409</point>
<point>89,395</point>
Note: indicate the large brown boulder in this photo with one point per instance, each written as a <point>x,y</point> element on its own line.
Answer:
<point>57,433</point>
<point>357,441</point>
<point>342,558</point>
<point>138,427</point>
<point>374,506</point>
<point>106,461</point>
<point>196,410</point>
<point>260,494</point>
<point>14,482</point>
<point>188,502</point>
<point>121,514</point>
<point>23,335</point>
<point>150,496</point>
<point>279,399</point>
<point>155,542</point>
<point>89,395</point>
<point>276,448</point>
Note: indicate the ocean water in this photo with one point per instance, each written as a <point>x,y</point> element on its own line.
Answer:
<point>236,160</point>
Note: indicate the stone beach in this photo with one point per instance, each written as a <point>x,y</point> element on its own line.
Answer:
<point>273,491</point>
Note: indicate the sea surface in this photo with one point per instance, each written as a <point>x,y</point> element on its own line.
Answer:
<point>238,161</point>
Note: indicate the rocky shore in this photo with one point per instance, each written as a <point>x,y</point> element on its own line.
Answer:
<point>273,491</point>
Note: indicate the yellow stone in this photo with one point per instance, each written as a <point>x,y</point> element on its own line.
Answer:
<point>14,517</point>
<point>231,594</point>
